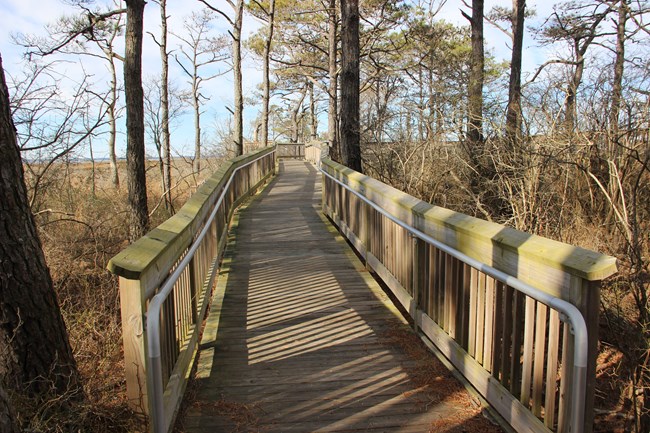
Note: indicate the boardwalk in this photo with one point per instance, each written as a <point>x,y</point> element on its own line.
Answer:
<point>304,339</point>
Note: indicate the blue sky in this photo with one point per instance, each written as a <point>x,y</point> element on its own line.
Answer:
<point>30,16</point>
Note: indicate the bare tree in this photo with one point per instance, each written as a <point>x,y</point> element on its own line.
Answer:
<point>164,151</point>
<point>313,118</point>
<point>236,23</point>
<point>297,113</point>
<point>199,50</point>
<point>619,69</point>
<point>53,117</point>
<point>350,129</point>
<point>577,24</point>
<point>89,28</point>
<point>269,17</point>
<point>156,123</point>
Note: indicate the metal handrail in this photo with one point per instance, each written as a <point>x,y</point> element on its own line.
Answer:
<point>154,372</point>
<point>569,312</point>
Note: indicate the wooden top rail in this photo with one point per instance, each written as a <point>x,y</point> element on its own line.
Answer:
<point>157,251</point>
<point>543,263</point>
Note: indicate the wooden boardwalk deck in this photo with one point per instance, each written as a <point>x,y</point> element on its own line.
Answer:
<point>303,339</point>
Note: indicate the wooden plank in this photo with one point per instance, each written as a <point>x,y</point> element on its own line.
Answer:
<point>551,368</point>
<point>517,342</point>
<point>564,406</point>
<point>540,351</point>
<point>488,340</point>
<point>480,318</point>
<point>430,282</point>
<point>450,296</point>
<point>527,365</point>
<point>497,337</point>
<point>465,305</point>
<point>135,343</point>
<point>507,329</point>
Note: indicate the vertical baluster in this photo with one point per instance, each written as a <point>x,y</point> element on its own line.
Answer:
<point>507,327</point>
<point>480,318</point>
<point>551,368</point>
<point>498,338</point>
<point>430,282</point>
<point>517,336</point>
<point>488,341</point>
<point>565,384</point>
<point>540,351</point>
<point>463,317</point>
<point>473,313</point>
<point>442,270</point>
<point>449,287</point>
<point>527,367</point>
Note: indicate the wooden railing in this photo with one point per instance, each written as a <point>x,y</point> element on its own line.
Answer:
<point>516,351</point>
<point>291,150</point>
<point>145,266</point>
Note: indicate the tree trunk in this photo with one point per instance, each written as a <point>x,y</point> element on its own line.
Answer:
<point>196,103</point>
<point>476,78</point>
<point>312,113</point>
<point>236,63</point>
<point>513,115</point>
<point>350,134</point>
<point>112,157</point>
<point>580,46</point>
<point>36,356</point>
<point>135,155</point>
<point>267,92</point>
<point>164,102</point>
<point>332,90</point>
<point>7,416</point>
<point>295,120</point>
<point>572,91</point>
<point>617,84</point>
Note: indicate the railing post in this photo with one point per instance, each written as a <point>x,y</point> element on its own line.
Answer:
<point>133,308</point>
<point>589,306</point>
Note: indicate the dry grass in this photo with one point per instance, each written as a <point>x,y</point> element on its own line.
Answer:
<point>81,228</point>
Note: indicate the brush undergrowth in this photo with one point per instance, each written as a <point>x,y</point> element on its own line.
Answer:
<point>82,222</point>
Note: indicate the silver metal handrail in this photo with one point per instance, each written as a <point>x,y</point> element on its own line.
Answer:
<point>569,313</point>
<point>154,372</point>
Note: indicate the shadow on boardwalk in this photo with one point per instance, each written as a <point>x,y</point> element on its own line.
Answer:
<point>300,338</point>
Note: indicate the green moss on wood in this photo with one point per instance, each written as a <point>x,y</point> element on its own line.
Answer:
<point>472,234</point>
